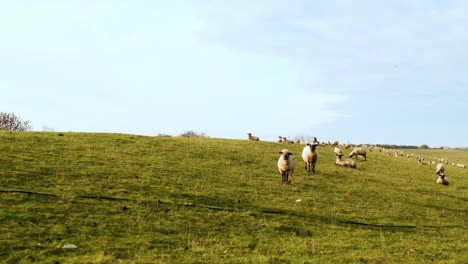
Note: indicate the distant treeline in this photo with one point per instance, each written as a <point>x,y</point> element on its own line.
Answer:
<point>393,146</point>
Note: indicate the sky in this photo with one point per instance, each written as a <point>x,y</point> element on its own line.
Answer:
<point>357,71</point>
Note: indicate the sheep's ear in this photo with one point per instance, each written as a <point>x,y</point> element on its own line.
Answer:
<point>308,144</point>
<point>281,152</point>
<point>290,153</point>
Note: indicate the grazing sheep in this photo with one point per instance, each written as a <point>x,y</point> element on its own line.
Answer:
<point>442,180</point>
<point>286,165</point>
<point>280,139</point>
<point>440,169</point>
<point>336,143</point>
<point>309,155</point>
<point>285,140</point>
<point>358,152</point>
<point>346,163</point>
<point>461,166</point>
<point>253,138</point>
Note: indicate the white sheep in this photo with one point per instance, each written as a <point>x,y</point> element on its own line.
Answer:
<point>286,165</point>
<point>337,150</point>
<point>442,180</point>
<point>310,155</point>
<point>358,152</point>
<point>253,138</point>
<point>461,166</point>
<point>285,140</point>
<point>440,169</point>
<point>346,163</point>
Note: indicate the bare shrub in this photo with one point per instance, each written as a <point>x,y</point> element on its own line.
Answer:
<point>9,121</point>
<point>193,134</point>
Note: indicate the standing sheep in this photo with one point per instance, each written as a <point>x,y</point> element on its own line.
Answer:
<point>346,163</point>
<point>310,155</point>
<point>286,165</point>
<point>253,138</point>
<point>440,169</point>
<point>337,150</point>
<point>358,152</point>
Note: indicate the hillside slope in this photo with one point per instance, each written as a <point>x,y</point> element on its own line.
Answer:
<point>138,199</point>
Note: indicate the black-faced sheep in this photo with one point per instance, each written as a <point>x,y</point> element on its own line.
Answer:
<point>286,165</point>
<point>253,138</point>
<point>442,180</point>
<point>310,155</point>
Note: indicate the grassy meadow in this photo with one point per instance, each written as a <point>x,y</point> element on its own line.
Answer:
<point>136,199</point>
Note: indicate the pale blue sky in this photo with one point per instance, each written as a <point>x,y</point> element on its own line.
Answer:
<point>391,72</point>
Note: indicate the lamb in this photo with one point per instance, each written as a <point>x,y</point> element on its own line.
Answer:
<point>310,155</point>
<point>286,165</point>
<point>442,180</point>
<point>358,152</point>
<point>440,169</point>
<point>253,138</point>
<point>346,163</point>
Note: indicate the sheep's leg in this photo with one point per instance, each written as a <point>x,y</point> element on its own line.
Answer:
<point>285,176</point>
<point>313,168</point>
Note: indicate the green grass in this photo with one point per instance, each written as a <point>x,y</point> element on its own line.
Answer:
<point>134,199</point>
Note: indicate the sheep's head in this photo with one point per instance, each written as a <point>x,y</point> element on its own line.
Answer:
<point>285,153</point>
<point>313,145</point>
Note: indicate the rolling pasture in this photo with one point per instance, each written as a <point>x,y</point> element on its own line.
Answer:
<point>114,198</point>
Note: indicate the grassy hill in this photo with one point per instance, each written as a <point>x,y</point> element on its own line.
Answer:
<point>134,199</point>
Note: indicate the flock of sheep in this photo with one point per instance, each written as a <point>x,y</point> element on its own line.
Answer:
<point>286,163</point>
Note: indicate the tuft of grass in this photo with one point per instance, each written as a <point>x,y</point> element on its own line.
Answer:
<point>134,199</point>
